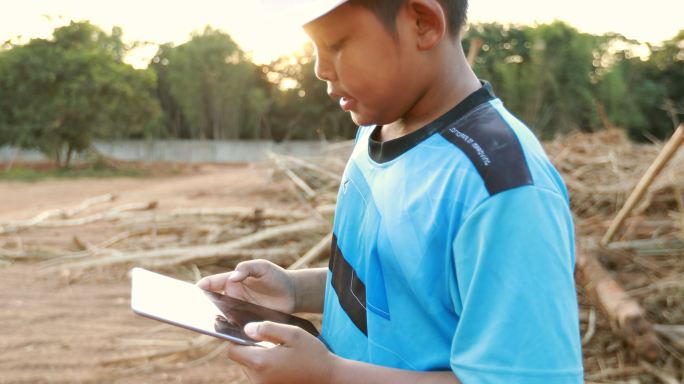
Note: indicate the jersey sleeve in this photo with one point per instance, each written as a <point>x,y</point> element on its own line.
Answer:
<point>514,292</point>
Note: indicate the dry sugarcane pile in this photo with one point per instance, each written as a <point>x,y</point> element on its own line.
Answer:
<point>632,294</point>
<point>601,169</point>
<point>160,239</point>
<point>152,235</point>
<point>631,290</point>
<point>630,263</point>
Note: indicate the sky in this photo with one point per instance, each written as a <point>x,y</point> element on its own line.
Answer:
<point>267,31</point>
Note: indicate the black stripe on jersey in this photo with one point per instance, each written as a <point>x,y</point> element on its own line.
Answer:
<point>350,290</point>
<point>492,146</point>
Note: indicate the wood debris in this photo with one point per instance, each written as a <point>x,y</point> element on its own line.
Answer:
<point>631,290</point>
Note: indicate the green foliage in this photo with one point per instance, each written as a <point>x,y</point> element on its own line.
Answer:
<point>544,73</point>
<point>174,122</point>
<point>303,110</point>
<point>207,87</point>
<point>90,171</point>
<point>555,78</point>
<point>645,97</point>
<point>58,95</point>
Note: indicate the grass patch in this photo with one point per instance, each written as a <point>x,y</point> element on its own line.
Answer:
<point>25,173</point>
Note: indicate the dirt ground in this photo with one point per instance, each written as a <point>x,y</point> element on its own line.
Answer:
<point>60,325</point>
<point>57,329</point>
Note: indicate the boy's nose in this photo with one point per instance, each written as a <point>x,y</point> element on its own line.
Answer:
<point>324,69</point>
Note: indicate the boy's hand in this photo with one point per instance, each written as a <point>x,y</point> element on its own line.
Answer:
<point>298,356</point>
<point>256,281</point>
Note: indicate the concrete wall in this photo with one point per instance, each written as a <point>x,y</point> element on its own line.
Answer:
<point>186,151</point>
<point>9,153</point>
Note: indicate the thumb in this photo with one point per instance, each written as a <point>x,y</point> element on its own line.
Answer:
<point>251,268</point>
<point>276,333</point>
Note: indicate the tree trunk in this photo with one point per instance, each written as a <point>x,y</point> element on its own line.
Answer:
<point>58,156</point>
<point>70,151</point>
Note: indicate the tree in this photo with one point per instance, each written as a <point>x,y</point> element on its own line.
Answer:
<point>174,121</point>
<point>300,107</point>
<point>543,73</point>
<point>207,87</point>
<point>644,96</point>
<point>58,95</point>
<point>668,70</point>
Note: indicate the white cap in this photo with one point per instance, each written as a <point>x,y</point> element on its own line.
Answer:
<point>305,10</point>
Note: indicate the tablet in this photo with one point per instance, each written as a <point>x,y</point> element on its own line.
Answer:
<point>185,305</point>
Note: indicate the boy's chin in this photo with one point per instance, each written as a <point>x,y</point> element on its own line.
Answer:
<point>362,120</point>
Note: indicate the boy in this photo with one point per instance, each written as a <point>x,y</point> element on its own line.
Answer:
<point>452,257</point>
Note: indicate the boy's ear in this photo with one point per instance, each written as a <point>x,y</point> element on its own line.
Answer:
<point>430,23</point>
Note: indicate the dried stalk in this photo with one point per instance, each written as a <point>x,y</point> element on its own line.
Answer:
<point>113,214</point>
<point>66,213</point>
<point>296,180</point>
<point>197,343</point>
<point>653,171</point>
<point>276,255</point>
<point>334,176</point>
<point>664,377</point>
<point>319,250</point>
<point>675,333</point>
<point>627,317</point>
<point>199,252</point>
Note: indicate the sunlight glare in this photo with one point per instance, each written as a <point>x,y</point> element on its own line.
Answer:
<point>267,29</point>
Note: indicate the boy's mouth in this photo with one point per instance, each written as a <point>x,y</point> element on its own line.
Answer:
<point>347,103</point>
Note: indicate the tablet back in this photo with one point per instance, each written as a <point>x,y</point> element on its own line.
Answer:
<point>185,305</point>
<point>182,304</point>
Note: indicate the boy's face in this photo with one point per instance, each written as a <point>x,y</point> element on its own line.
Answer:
<point>373,73</point>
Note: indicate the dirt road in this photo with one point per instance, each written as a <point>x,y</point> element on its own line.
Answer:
<point>55,328</point>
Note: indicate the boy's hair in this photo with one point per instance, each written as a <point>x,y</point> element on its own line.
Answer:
<point>386,11</point>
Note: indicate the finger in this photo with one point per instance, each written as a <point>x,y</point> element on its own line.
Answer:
<point>250,357</point>
<point>251,268</point>
<point>214,282</point>
<point>281,334</point>
<point>237,276</point>
<point>219,282</point>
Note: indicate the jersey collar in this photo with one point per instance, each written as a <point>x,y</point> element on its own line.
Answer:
<point>385,151</point>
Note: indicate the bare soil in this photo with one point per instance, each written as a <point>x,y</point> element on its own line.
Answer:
<point>55,328</point>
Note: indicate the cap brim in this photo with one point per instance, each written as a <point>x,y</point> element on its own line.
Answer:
<point>312,10</point>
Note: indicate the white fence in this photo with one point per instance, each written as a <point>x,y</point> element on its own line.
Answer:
<point>185,151</point>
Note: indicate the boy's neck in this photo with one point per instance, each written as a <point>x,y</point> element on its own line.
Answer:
<point>446,90</point>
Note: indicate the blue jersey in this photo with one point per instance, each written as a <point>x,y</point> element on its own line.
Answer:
<point>453,249</point>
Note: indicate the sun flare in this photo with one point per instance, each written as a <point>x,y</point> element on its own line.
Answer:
<point>266,29</point>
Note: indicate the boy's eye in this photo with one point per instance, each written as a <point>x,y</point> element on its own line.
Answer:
<point>336,46</point>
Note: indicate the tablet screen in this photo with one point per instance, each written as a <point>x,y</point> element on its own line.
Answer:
<point>186,305</point>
